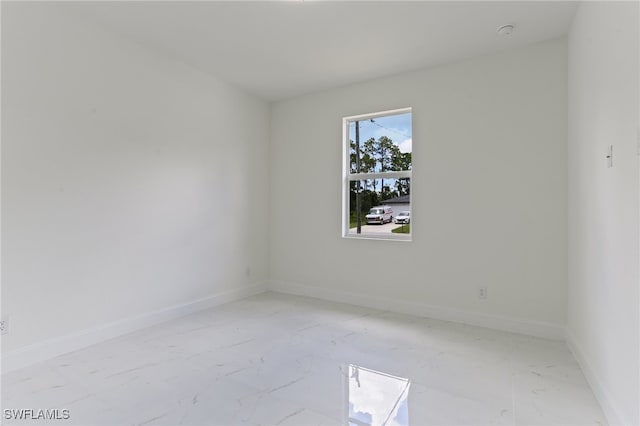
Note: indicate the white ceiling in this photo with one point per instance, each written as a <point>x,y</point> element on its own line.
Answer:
<point>278,50</point>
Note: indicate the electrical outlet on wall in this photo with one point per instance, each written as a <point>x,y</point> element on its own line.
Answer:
<point>482,292</point>
<point>4,325</point>
<point>609,156</point>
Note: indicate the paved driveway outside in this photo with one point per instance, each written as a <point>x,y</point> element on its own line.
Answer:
<point>377,229</point>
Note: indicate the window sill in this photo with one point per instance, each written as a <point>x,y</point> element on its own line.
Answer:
<point>380,237</point>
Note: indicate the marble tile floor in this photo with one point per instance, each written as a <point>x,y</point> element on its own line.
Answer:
<point>275,359</point>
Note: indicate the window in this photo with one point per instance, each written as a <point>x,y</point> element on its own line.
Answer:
<point>377,175</point>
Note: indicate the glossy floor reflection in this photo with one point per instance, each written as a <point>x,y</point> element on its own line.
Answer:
<point>277,359</point>
<point>376,398</point>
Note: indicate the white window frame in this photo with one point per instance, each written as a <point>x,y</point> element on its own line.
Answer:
<point>348,177</point>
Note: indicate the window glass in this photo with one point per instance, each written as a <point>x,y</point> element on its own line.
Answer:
<point>378,155</point>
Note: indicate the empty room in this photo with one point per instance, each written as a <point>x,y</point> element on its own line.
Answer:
<point>210,214</point>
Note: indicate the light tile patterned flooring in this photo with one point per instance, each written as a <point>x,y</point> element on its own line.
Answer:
<point>276,359</point>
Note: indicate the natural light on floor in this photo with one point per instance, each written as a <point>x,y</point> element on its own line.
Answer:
<point>377,398</point>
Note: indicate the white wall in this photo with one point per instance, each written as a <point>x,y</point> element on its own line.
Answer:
<point>603,203</point>
<point>129,181</point>
<point>489,200</point>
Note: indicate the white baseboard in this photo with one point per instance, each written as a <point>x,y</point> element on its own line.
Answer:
<point>50,348</point>
<point>531,328</point>
<point>613,414</point>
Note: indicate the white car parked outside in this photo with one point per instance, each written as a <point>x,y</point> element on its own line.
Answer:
<point>403,217</point>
